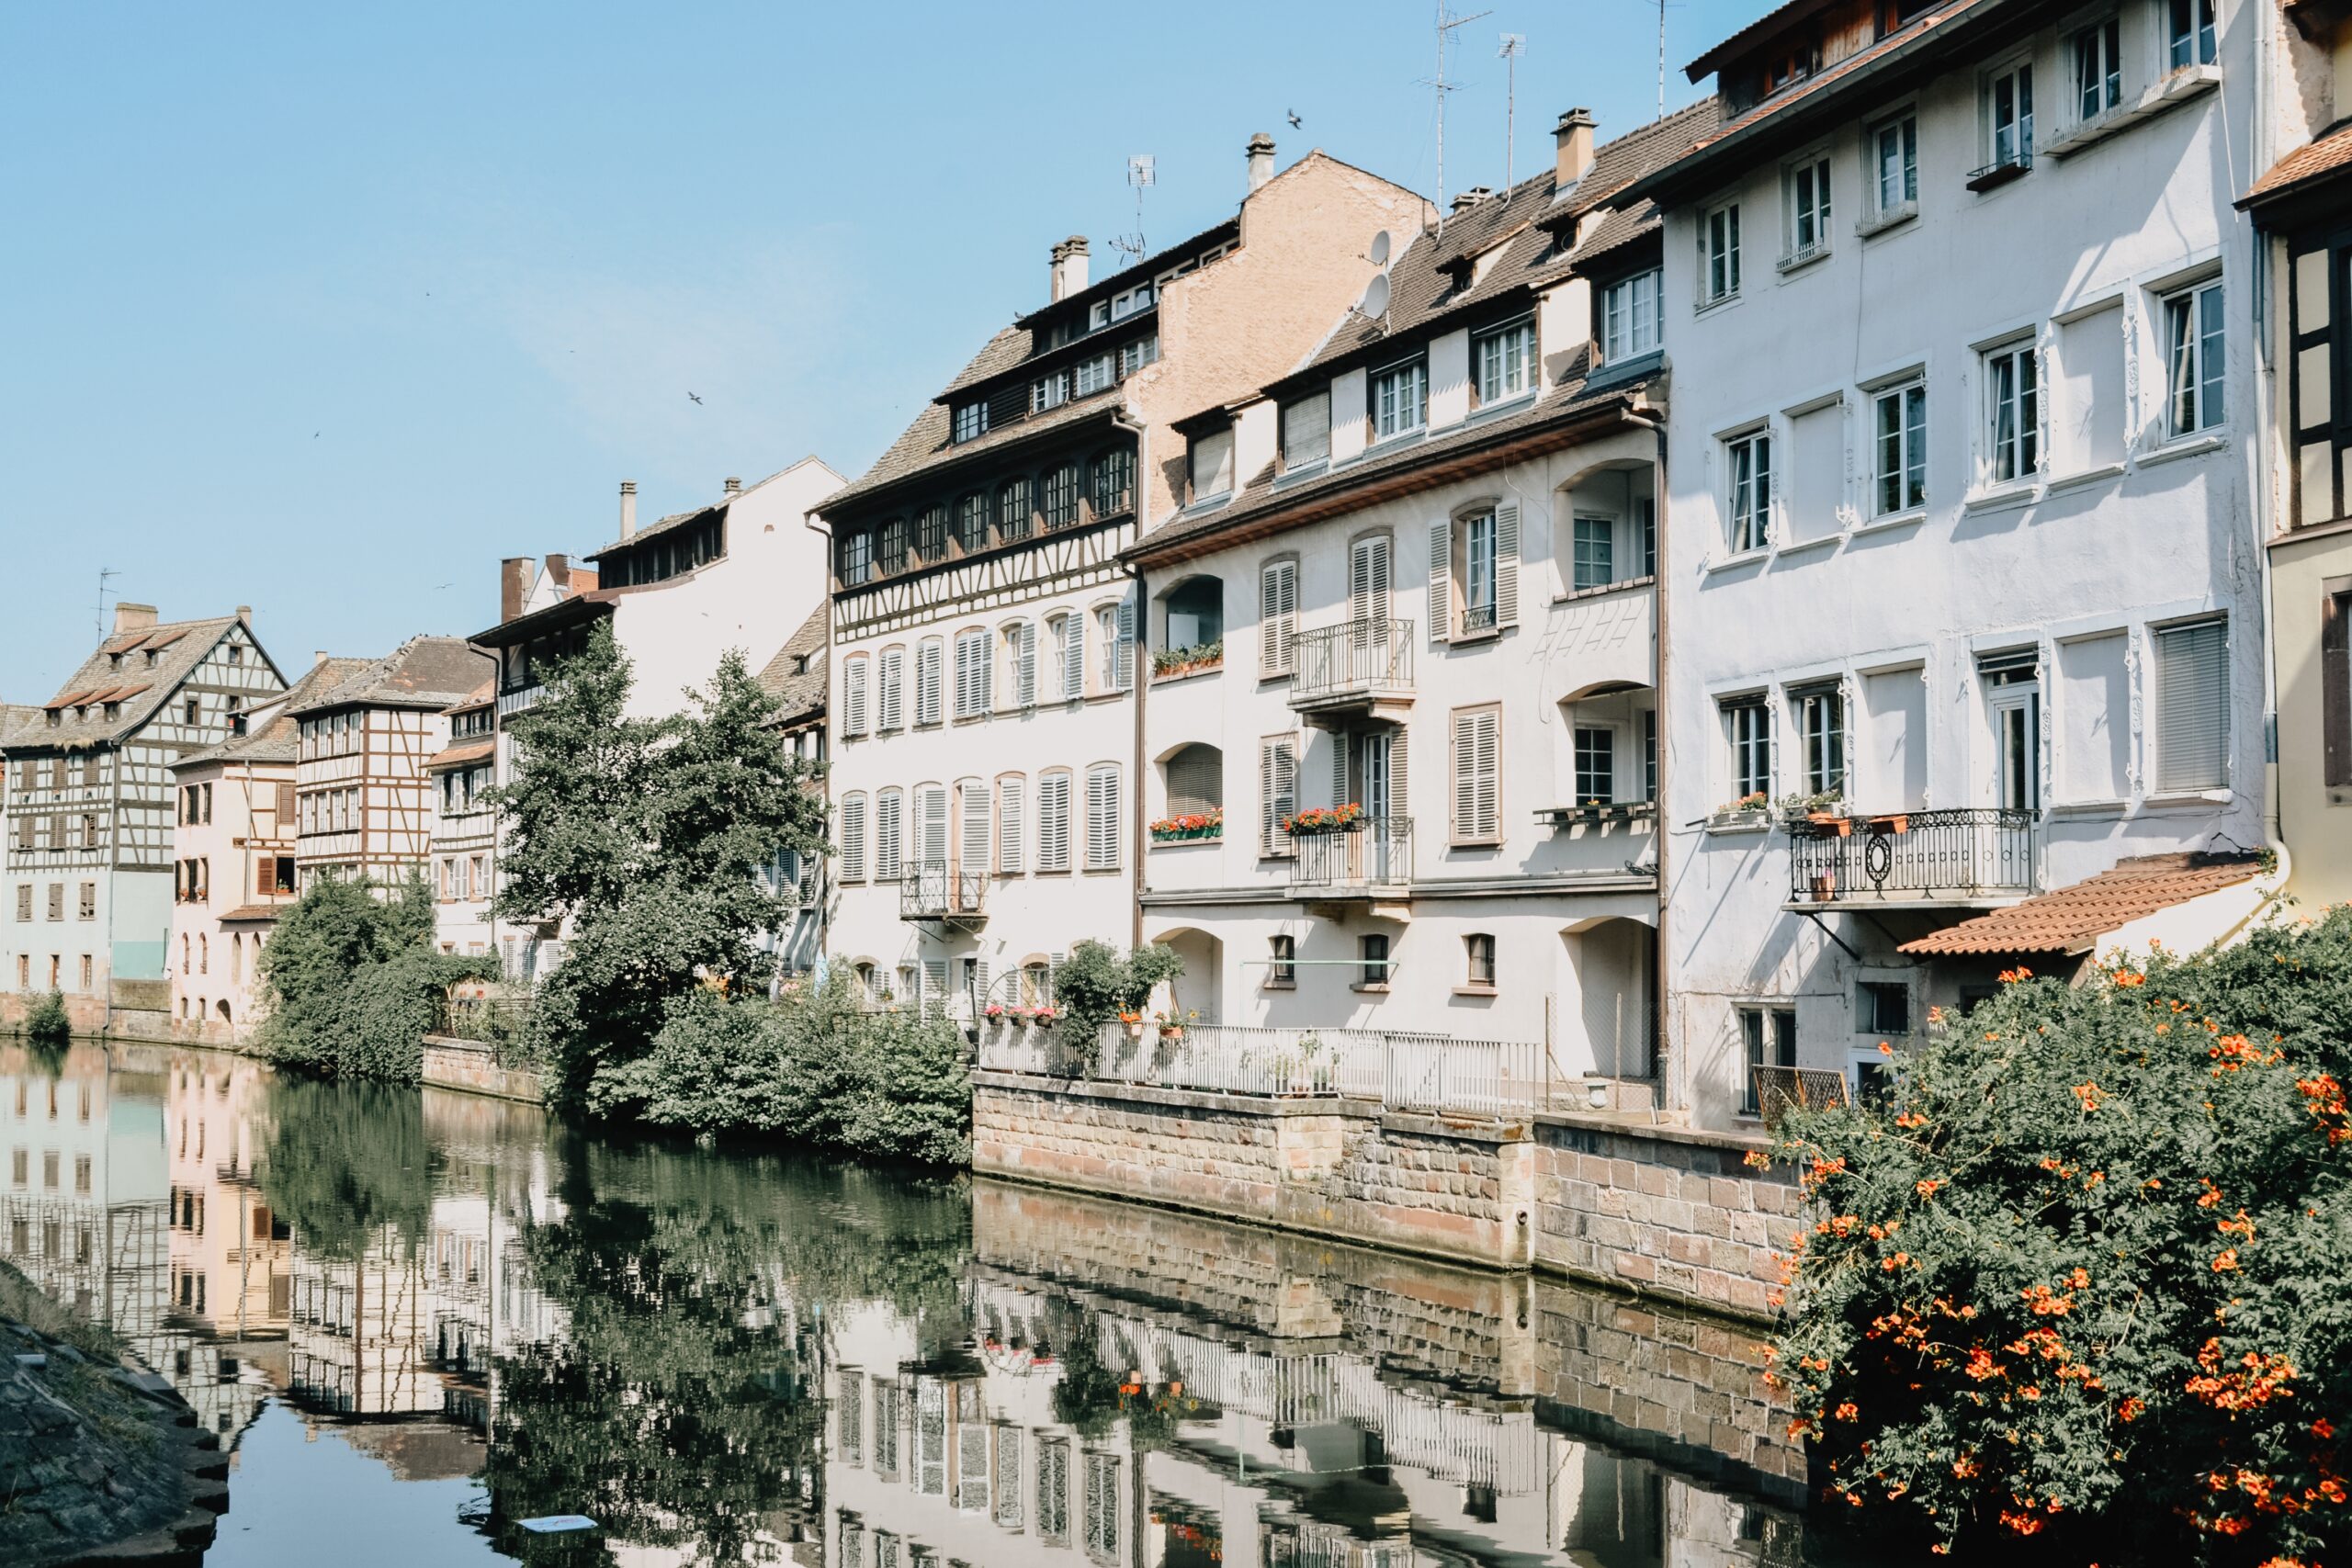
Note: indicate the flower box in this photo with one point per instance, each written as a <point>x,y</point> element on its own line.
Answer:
<point>1192,825</point>
<point>1315,819</point>
<point>1169,663</point>
<point>1603,811</point>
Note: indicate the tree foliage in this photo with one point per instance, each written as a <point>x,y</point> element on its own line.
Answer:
<point>49,1024</point>
<point>1096,983</point>
<point>342,1163</point>
<point>2080,1276</point>
<point>353,981</point>
<point>644,837</point>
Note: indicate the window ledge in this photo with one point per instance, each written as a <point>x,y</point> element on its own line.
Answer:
<point>1798,261</point>
<point>1633,367</point>
<point>1279,985</point>
<point>1299,473</point>
<point>1371,987</point>
<point>2087,808</point>
<point>1206,503</point>
<point>1397,443</point>
<point>2008,498</point>
<point>1476,992</point>
<point>1604,590</point>
<point>2176,88</point>
<point>2187,800</point>
<point>1709,306</point>
<point>1482,634</point>
<point>2087,477</point>
<point>1501,408</point>
<point>1739,558</point>
<point>2184,447</point>
<point>1740,822</point>
<point>1274,677</point>
<point>1891,217</point>
<point>1887,524</point>
<point>1804,546</point>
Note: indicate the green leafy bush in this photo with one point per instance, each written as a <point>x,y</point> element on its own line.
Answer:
<point>2080,1276</point>
<point>352,983</point>
<point>48,1024</point>
<point>1095,984</point>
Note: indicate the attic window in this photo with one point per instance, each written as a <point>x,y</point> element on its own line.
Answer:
<point>1788,66</point>
<point>972,419</point>
<point>800,664</point>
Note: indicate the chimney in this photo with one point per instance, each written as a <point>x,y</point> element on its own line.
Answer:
<point>628,508</point>
<point>1070,266</point>
<point>559,570</point>
<point>1261,154</point>
<point>1573,138</point>
<point>245,615</point>
<point>734,486</point>
<point>1471,198</point>
<point>514,586</point>
<point>130,617</point>
<point>318,657</point>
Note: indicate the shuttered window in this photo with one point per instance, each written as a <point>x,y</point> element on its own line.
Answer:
<point>973,811</point>
<point>891,690</point>
<point>1070,656</point>
<point>1277,792</point>
<point>1020,664</point>
<point>1306,430</point>
<point>854,696</point>
<point>1008,830</point>
<point>1212,464</point>
<point>1103,816</point>
<point>852,838</point>
<point>931,807</point>
<point>285,808</point>
<point>890,810</point>
<point>2193,707</point>
<point>972,673</point>
<point>1195,781</point>
<point>1277,617</point>
<point>1053,822</point>
<point>1368,580</point>
<point>928,657</point>
<point>1115,636</point>
<point>1478,781</point>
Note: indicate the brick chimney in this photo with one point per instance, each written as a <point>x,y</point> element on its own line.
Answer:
<point>130,617</point>
<point>628,508</point>
<point>514,586</point>
<point>1068,273</point>
<point>1469,198</point>
<point>558,568</point>
<point>1573,139</point>
<point>1261,157</point>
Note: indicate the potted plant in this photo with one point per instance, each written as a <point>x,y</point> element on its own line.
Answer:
<point>1747,808</point>
<point>1133,1020</point>
<point>1347,818</point>
<point>1822,809</point>
<point>1189,825</point>
<point>1824,886</point>
<point>1168,663</point>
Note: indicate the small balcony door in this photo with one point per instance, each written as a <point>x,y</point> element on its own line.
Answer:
<point>2016,708</point>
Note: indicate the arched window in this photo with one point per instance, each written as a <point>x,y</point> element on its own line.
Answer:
<point>203,953</point>
<point>972,522</point>
<point>930,533</point>
<point>854,562</point>
<point>1061,497</point>
<point>1012,509</point>
<point>1112,483</point>
<point>890,552</point>
<point>1195,780</point>
<point>1197,612</point>
<point>236,957</point>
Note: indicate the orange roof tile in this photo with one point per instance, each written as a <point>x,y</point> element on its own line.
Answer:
<point>2309,162</point>
<point>2072,919</point>
<point>463,751</point>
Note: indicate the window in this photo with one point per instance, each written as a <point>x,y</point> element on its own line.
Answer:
<point>1747,726</point>
<point>1102,1505</point>
<point>1400,399</point>
<point>856,563</point>
<point>1881,1007</point>
<point>930,533</point>
<point>1596,552</point>
<point>1113,483</point>
<point>86,904</point>
<point>1212,464</point>
<point>1719,255</point>
<point>2008,113</point>
<point>1750,511</point>
<point>1103,816</point>
<point>1277,617</point>
<point>972,672</point>
<point>1373,964</point>
<point>930,662</point>
<point>1306,430</point>
<point>1596,758</point>
<point>2098,69</point>
<point>1195,614</point>
<point>973,818</point>
<point>2013,413</point>
<point>1283,967</point>
<point>1095,373</point>
<point>1010,792</point>
<point>1477,532</point>
<point>1477,740</point>
<point>1895,161</point>
<point>1012,509</point>
<point>1478,961</point>
<point>1821,728</point>
<point>2189,34</point>
<point>1649,754</point>
<point>1277,792</point>
<point>1808,209</point>
<point>854,695</point>
<point>972,419</point>
<point>890,711</point>
<point>1633,316</point>
<point>1020,664</point>
<point>2012,685</point>
<point>972,522</point>
<point>25,901</point>
<point>1049,391</point>
<point>1053,821</point>
<point>1061,497</point>
<point>1505,361</point>
<point>2194,361</point>
<point>1134,356</point>
<point>852,838</point>
<point>1114,631</point>
<point>2192,707</point>
<point>1900,448</point>
<point>1769,1035</point>
<point>1067,637</point>
<point>889,813</point>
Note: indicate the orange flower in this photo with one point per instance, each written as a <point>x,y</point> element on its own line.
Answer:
<point>2088,1093</point>
<point>1926,1188</point>
<point>2130,1408</point>
<point>2227,1262</point>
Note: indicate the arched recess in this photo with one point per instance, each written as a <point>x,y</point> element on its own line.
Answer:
<point>1192,779</point>
<point>1612,970</point>
<point>1201,987</point>
<point>1193,612</point>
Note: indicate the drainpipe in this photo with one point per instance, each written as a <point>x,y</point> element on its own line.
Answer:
<point>1660,962</point>
<point>1138,670</point>
<point>2265,455</point>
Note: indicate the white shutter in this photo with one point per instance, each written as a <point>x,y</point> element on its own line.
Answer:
<point>1025,663</point>
<point>1487,775</point>
<point>1277,616</point>
<point>1053,822</point>
<point>1441,580</point>
<point>892,713</point>
<point>933,803</point>
<point>888,809</point>
<point>1507,564</point>
<point>853,837</point>
<point>1340,795</point>
<point>854,696</point>
<point>972,811</point>
<point>1368,580</point>
<point>2192,707</point>
<point>934,988</point>
<point>1124,664</point>
<point>979,991</point>
<point>1397,805</point>
<point>1103,816</point>
<point>928,658</point>
<point>1475,787</point>
<point>1277,792</point>
<point>983,673</point>
<point>1008,825</point>
<point>1073,657</point>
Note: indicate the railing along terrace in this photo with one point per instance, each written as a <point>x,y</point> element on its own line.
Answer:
<point>932,889</point>
<point>1374,851</point>
<point>1973,853</point>
<point>1401,1071</point>
<point>488,1020</point>
<point>1356,659</point>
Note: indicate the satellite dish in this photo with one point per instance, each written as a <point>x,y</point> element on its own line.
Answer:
<point>1375,298</point>
<point>1378,254</point>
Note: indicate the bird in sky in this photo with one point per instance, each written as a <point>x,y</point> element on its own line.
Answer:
<point>693,397</point>
<point>1295,121</point>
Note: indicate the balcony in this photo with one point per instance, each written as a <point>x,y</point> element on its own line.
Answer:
<point>1914,859</point>
<point>1350,673</point>
<point>1373,861</point>
<point>933,890</point>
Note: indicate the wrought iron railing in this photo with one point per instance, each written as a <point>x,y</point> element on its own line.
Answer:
<point>933,890</point>
<point>1402,1071</point>
<point>1973,853</point>
<point>1358,658</point>
<point>1477,618</point>
<point>1376,852</point>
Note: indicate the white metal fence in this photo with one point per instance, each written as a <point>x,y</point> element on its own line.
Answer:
<point>1402,1071</point>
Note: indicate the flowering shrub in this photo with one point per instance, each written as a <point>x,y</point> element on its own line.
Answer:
<point>2079,1277</point>
<point>1324,819</point>
<point>1190,825</point>
<point>1171,661</point>
<point>1755,801</point>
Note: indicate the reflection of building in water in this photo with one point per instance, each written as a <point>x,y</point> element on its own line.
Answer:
<point>229,1287</point>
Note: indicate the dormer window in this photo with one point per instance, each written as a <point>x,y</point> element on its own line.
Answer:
<point>56,718</point>
<point>1400,399</point>
<point>972,419</point>
<point>1504,360</point>
<point>1790,65</point>
<point>1049,391</point>
<point>155,657</point>
<point>1212,464</point>
<point>1094,374</point>
<point>1306,430</point>
<point>1134,356</point>
<point>114,660</point>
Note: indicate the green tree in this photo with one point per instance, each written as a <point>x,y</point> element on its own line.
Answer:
<point>2079,1278</point>
<point>1096,983</point>
<point>48,1024</point>
<point>353,981</point>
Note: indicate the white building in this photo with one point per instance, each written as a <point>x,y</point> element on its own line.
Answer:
<point>1959,553</point>
<point>987,816</point>
<point>1414,583</point>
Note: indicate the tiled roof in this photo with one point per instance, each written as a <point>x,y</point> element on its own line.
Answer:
<point>2072,919</point>
<point>480,697</point>
<point>423,673</point>
<point>658,527</point>
<point>2332,154</point>
<point>258,911</point>
<point>477,750</point>
<point>801,693</point>
<point>276,737</point>
<point>13,715</point>
<point>140,688</point>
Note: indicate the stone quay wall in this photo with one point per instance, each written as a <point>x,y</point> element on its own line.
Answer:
<point>468,1065</point>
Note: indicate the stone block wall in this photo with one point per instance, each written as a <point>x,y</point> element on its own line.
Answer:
<point>465,1065</point>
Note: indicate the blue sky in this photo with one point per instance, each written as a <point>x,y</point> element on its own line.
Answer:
<point>325,309</point>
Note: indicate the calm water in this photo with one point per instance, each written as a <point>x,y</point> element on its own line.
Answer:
<point>417,1319</point>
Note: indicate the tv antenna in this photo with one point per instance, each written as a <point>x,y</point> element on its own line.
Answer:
<point>1661,59</point>
<point>1141,172</point>
<point>1514,45</point>
<point>106,574</point>
<point>1446,23</point>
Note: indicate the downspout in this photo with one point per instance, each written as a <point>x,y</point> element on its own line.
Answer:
<point>1661,964</point>
<point>1137,671</point>
<point>2265,452</point>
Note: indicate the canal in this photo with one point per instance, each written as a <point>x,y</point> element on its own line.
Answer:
<point>418,1319</point>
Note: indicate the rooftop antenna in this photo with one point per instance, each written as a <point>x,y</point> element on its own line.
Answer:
<point>1514,45</point>
<point>106,573</point>
<point>1661,59</point>
<point>1142,172</point>
<point>1446,22</point>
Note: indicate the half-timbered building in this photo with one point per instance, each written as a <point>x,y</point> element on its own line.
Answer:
<point>232,860</point>
<point>86,897</point>
<point>363,801</point>
<point>465,826</point>
<point>984,627</point>
<point>795,679</point>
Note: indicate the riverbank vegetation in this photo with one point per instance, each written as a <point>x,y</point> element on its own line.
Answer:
<point>48,1025</point>
<point>1097,983</point>
<point>2078,1279</point>
<point>353,982</point>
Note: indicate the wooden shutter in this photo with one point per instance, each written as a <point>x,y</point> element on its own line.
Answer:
<point>934,824</point>
<point>1009,792</point>
<point>853,697</point>
<point>1124,662</point>
<point>1277,616</point>
<point>972,809</point>
<point>1477,804</point>
<point>2335,681</point>
<point>1340,795</point>
<point>889,809</point>
<point>1053,822</point>
<point>1103,816</point>
<point>1277,791</point>
<point>1441,579</point>
<point>928,659</point>
<point>979,991</point>
<point>853,837</point>
<point>1368,580</point>
<point>1073,657</point>
<point>1025,663</point>
<point>285,808</point>
<point>892,708</point>
<point>963,675</point>
<point>1507,564</point>
<point>934,988</point>
<point>983,673</point>
<point>1397,805</point>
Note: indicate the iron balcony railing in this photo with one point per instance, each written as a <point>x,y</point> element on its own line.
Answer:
<point>1374,856</point>
<point>933,890</point>
<point>1914,856</point>
<point>1358,659</point>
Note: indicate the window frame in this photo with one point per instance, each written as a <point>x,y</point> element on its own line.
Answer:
<point>1388,383</point>
<point>2200,44</point>
<point>2097,96</point>
<point>1621,304</point>
<point>2013,391</point>
<point>2190,300</point>
<point>1719,254</point>
<point>1825,738</point>
<point>2158,637</point>
<point>1593,752</point>
<point>1905,126</point>
<point>2017,133</point>
<point>1747,526</point>
<point>1480,964</point>
<point>1368,944</point>
<point>1747,756</point>
<point>1281,962</point>
<point>1911,446</point>
<point>1805,199</point>
<point>1761,1031</point>
<point>1520,329</point>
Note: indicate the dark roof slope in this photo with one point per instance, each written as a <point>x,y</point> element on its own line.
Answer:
<point>2072,919</point>
<point>139,689</point>
<point>275,739</point>
<point>423,673</point>
<point>658,527</point>
<point>796,676</point>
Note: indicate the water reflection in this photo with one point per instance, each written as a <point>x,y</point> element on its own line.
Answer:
<point>725,1359</point>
